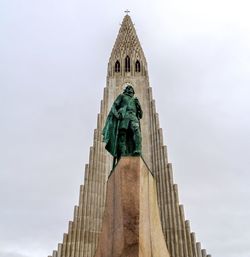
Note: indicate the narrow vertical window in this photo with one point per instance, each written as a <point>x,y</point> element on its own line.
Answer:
<point>117,66</point>
<point>127,64</point>
<point>137,66</point>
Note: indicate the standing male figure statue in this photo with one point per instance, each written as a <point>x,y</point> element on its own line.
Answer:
<point>122,132</point>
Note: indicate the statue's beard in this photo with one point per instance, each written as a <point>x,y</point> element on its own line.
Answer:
<point>131,94</point>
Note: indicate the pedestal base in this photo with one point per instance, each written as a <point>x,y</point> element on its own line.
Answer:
<point>131,222</point>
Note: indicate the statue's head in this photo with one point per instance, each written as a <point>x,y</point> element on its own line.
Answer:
<point>129,90</point>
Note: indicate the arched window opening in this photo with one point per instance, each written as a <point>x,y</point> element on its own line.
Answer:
<point>137,66</point>
<point>117,66</point>
<point>127,64</point>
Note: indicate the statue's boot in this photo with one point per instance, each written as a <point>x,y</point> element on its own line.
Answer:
<point>137,140</point>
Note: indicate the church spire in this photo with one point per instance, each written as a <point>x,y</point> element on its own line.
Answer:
<point>83,232</point>
<point>127,57</point>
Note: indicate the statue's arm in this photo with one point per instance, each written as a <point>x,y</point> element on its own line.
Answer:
<point>115,106</point>
<point>138,107</point>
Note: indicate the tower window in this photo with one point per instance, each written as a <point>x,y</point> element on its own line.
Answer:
<point>137,66</point>
<point>117,66</point>
<point>127,64</point>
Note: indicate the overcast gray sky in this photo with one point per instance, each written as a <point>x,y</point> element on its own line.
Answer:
<point>53,63</point>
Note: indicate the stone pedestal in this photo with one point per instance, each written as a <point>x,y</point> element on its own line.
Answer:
<point>131,223</point>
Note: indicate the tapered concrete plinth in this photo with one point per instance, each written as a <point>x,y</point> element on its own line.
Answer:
<point>131,223</point>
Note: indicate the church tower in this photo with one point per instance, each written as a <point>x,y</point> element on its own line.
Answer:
<point>127,64</point>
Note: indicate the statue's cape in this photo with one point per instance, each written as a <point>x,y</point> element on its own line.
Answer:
<point>109,133</point>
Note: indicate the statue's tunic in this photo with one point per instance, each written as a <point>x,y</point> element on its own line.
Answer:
<point>129,108</point>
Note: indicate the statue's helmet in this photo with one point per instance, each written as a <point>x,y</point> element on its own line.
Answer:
<point>129,89</point>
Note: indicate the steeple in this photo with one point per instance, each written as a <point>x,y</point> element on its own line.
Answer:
<point>127,57</point>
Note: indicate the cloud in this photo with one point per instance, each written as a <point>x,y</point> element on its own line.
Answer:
<point>12,254</point>
<point>53,70</point>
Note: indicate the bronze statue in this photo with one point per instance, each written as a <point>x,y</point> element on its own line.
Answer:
<point>122,132</point>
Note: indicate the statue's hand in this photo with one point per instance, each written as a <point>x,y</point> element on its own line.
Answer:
<point>137,101</point>
<point>119,116</point>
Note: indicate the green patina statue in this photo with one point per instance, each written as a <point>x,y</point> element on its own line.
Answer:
<point>122,132</point>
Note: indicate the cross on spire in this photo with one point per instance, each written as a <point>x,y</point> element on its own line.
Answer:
<point>127,11</point>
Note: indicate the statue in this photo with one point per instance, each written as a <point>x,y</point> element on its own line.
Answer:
<point>122,131</point>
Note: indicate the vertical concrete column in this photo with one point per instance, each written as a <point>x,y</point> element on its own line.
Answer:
<point>65,241</point>
<point>69,243</point>
<point>59,250</point>
<point>204,253</point>
<point>183,231</point>
<point>193,240</point>
<point>189,242</point>
<point>198,249</point>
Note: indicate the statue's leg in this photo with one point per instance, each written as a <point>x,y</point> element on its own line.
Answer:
<point>137,137</point>
<point>122,142</point>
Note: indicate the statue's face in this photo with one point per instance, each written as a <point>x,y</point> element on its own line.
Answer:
<point>129,90</point>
